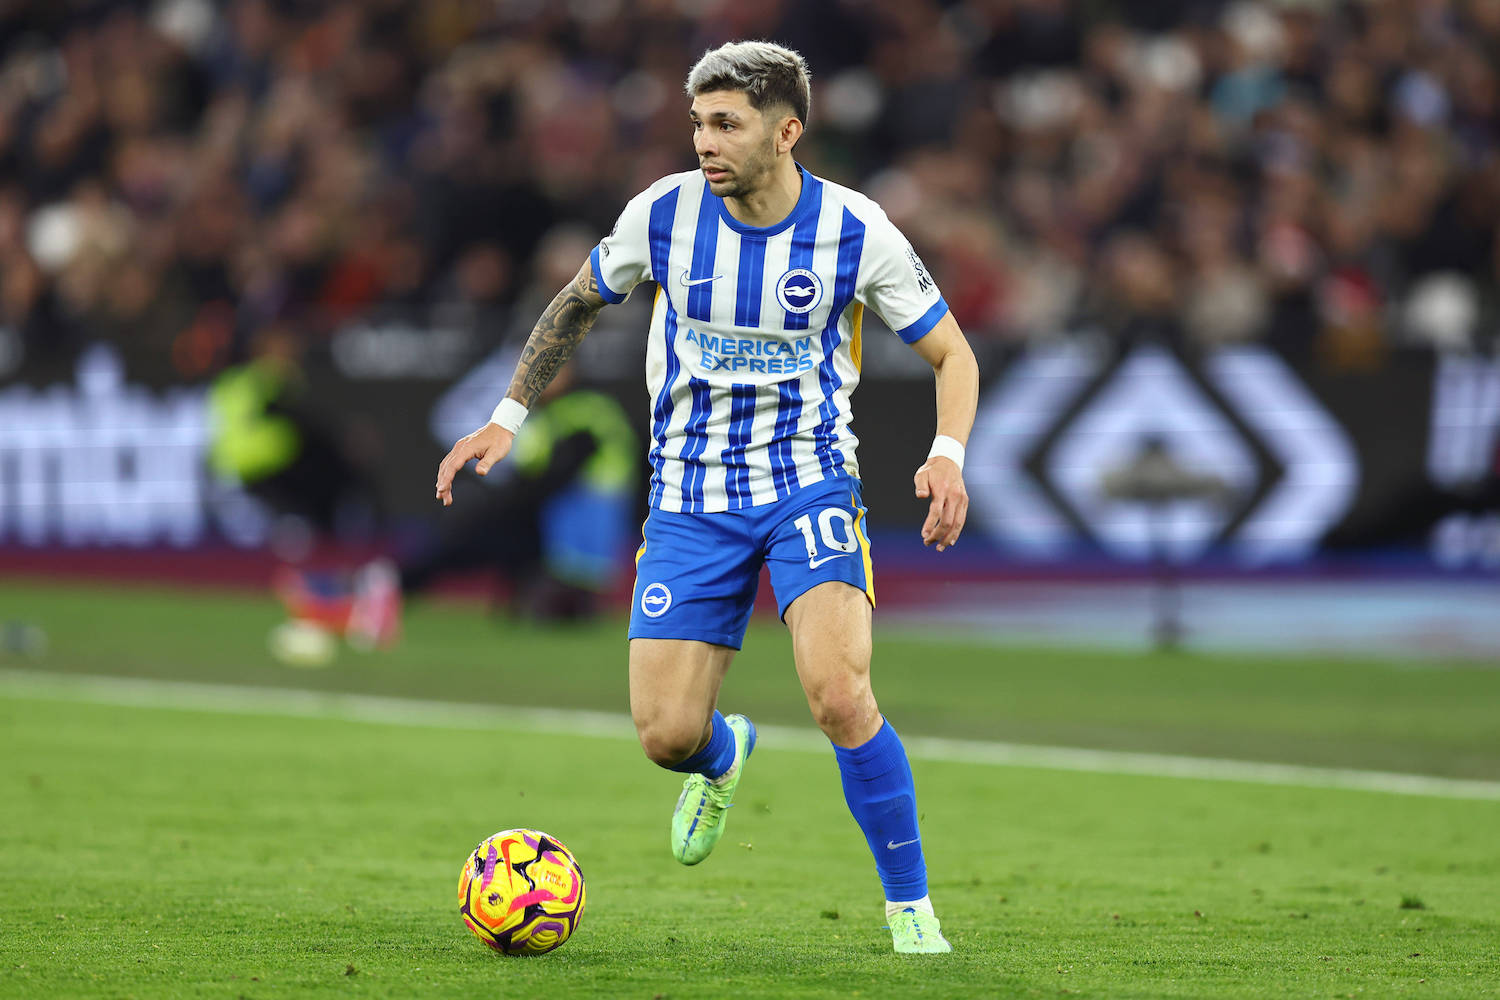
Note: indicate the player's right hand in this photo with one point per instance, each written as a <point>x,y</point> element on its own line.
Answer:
<point>489,445</point>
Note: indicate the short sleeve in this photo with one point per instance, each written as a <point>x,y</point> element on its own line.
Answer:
<point>622,259</point>
<point>896,284</point>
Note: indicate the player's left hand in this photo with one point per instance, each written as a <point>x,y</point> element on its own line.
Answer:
<point>941,480</point>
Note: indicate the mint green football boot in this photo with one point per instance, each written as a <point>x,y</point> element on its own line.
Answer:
<point>916,933</point>
<point>698,821</point>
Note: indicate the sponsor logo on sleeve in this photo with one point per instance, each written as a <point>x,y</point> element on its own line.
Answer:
<point>924,282</point>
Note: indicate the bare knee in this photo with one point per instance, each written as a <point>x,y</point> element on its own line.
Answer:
<point>674,684</point>
<point>845,710</point>
<point>667,742</point>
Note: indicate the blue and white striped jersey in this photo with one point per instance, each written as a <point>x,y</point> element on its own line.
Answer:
<point>754,347</point>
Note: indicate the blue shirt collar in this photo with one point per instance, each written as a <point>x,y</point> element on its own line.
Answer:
<point>803,206</point>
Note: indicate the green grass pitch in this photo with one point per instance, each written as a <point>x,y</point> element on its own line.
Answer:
<point>179,852</point>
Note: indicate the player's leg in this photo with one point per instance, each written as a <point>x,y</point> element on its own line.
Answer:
<point>695,585</point>
<point>830,627</point>
<point>674,686</point>
<point>674,691</point>
<point>826,602</point>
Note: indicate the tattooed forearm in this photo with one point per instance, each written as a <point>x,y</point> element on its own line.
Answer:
<point>552,340</point>
<point>543,367</point>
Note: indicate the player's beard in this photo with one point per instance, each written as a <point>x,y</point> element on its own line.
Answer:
<point>751,175</point>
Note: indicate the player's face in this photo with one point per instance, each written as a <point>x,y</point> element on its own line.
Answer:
<point>735,144</point>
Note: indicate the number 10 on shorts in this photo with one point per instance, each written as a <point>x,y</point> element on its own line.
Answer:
<point>841,546</point>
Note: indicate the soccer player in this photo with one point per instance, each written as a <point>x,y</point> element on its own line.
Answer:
<point>762,273</point>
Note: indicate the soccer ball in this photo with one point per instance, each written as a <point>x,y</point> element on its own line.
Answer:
<point>521,892</point>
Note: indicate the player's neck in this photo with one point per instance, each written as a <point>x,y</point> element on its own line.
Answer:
<point>768,205</point>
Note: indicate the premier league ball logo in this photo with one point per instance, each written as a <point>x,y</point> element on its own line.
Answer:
<point>799,291</point>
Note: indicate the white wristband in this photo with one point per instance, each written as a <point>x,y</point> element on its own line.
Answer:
<point>944,446</point>
<point>509,415</point>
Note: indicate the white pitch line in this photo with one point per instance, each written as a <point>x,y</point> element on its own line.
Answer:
<point>299,703</point>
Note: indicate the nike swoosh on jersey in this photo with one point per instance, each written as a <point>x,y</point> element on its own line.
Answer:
<point>690,282</point>
<point>815,563</point>
<point>891,845</point>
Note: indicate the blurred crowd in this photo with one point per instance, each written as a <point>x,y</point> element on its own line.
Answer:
<point>183,175</point>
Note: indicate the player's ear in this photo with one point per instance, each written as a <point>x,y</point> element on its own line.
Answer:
<point>788,134</point>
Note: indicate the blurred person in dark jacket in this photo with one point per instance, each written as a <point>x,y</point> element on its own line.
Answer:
<point>568,509</point>
<point>556,533</point>
<point>272,439</point>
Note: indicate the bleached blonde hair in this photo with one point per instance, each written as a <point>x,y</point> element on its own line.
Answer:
<point>767,73</point>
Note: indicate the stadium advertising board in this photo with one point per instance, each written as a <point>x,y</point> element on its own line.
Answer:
<point>112,453</point>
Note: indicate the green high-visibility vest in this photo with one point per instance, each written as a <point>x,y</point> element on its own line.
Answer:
<point>248,443</point>
<point>613,466</point>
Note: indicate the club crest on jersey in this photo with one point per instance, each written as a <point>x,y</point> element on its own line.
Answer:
<point>656,600</point>
<point>799,290</point>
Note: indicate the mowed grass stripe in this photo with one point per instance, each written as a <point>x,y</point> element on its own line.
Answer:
<point>293,702</point>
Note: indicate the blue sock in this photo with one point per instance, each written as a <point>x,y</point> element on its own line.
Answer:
<point>880,793</point>
<point>716,757</point>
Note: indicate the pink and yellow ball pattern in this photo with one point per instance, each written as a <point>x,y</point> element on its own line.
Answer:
<point>521,892</point>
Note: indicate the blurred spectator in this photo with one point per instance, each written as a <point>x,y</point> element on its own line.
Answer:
<point>551,525</point>
<point>555,527</point>
<point>1139,293</point>
<point>269,437</point>
<point>178,174</point>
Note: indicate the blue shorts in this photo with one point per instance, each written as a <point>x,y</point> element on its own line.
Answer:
<point>696,575</point>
